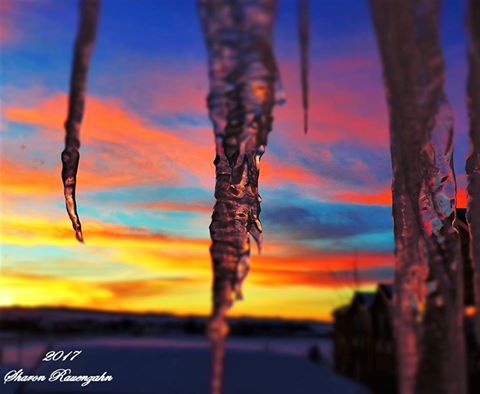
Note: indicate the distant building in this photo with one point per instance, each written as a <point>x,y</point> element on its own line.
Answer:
<point>364,334</point>
<point>385,365</point>
<point>363,339</point>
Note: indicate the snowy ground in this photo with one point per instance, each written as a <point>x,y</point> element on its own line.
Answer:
<point>178,366</point>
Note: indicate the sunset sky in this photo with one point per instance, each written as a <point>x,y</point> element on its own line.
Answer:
<point>146,178</point>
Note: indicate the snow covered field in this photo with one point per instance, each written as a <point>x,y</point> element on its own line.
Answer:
<point>178,366</point>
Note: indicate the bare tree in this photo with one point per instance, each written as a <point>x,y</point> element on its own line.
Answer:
<point>473,160</point>
<point>429,311</point>
<point>89,11</point>
<point>243,86</point>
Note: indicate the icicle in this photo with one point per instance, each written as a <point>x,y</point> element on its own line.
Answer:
<point>428,279</point>
<point>89,10</point>
<point>244,85</point>
<point>304,32</point>
<point>473,160</point>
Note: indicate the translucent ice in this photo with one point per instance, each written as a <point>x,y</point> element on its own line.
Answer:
<point>304,32</point>
<point>89,11</point>
<point>428,305</point>
<point>473,160</point>
<point>244,87</point>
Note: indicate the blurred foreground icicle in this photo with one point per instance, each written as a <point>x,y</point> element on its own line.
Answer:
<point>89,11</point>
<point>473,161</point>
<point>429,311</point>
<point>244,87</point>
<point>304,33</point>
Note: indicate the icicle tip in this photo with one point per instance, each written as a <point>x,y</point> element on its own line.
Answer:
<point>79,236</point>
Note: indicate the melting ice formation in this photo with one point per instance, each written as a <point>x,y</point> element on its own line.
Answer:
<point>89,12</point>
<point>429,301</point>
<point>473,160</point>
<point>244,87</point>
<point>304,34</point>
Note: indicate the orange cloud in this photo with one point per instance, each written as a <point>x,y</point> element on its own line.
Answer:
<point>17,178</point>
<point>315,261</point>
<point>128,151</point>
<point>34,290</point>
<point>383,197</point>
<point>275,173</point>
<point>314,279</point>
<point>32,231</point>
<point>462,198</point>
<point>163,295</point>
<point>191,297</point>
<point>143,154</point>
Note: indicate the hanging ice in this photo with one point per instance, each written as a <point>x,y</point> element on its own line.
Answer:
<point>244,86</point>
<point>89,11</point>
<point>473,161</point>
<point>428,278</point>
<point>304,33</point>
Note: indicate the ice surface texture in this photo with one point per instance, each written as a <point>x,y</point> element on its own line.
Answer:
<point>473,160</point>
<point>244,87</point>
<point>304,35</point>
<point>89,11</point>
<point>428,278</point>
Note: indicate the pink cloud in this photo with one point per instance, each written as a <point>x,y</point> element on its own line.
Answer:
<point>9,34</point>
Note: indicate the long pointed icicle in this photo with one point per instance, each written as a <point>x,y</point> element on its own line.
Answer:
<point>89,12</point>
<point>304,33</point>
<point>244,87</point>
<point>473,160</point>
<point>428,306</point>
